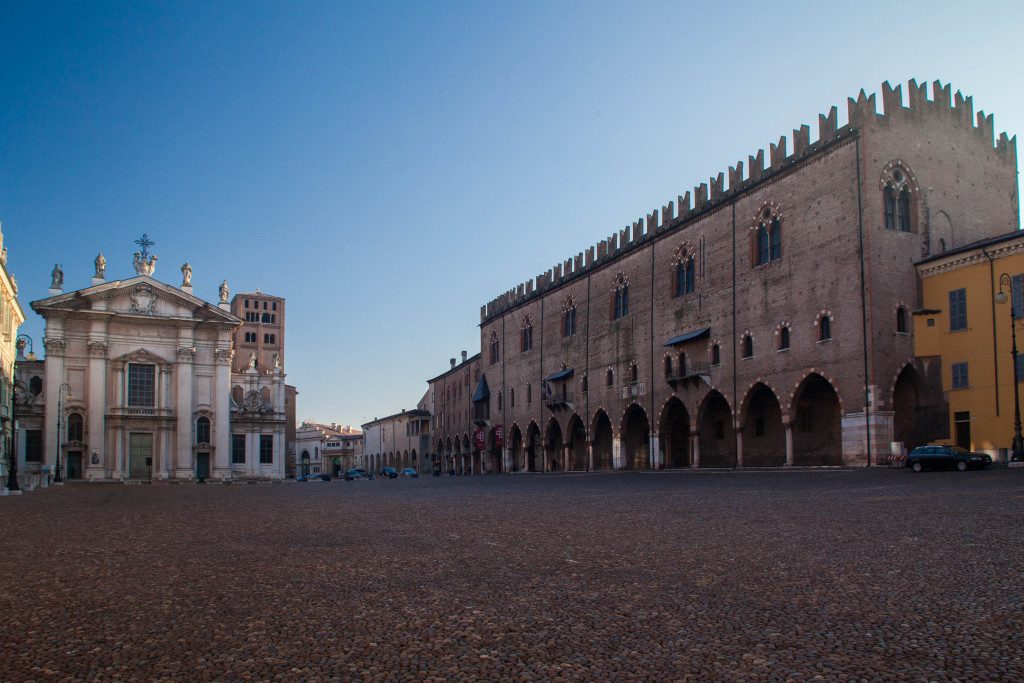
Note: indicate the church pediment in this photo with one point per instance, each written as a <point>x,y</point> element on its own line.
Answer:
<point>142,355</point>
<point>140,296</point>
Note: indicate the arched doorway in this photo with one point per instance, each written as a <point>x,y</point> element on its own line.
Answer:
<point>304,463</point>
<point>492,459</point>
<point>602,441</point>
<point>533,447</point>
<point>906,409</point>
<point>717,441</point>
<point>675,434</point>
<point>764,439</point>
<point>578,457</point>
<point>817,423</point>
<point>518,454</point>
<point>554,447</point>
<point>636,439</point>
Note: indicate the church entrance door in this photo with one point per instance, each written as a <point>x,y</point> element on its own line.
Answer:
<point>140,455</point>
<point>202,466</point>
<point>74,464</point>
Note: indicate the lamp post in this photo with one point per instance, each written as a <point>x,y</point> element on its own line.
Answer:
<point>57,477</point>
<point>21,341</point>
<point>1001,298</point>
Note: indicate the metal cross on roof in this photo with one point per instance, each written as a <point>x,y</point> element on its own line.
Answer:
<point>145,243</point>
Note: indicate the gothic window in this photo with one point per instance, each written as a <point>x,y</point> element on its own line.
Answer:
<point>141,385</point>
<point>668,365</point>
<point>529,394</point>
<point>266,317</point>
<point>685,267</point>
<point>633,372</point>
<point>609,378</point>
<point>500,403</point>
<point>203,430</point>
<point>75,427</point>
<point>682,363</point>
<point>716,354</point>
<point>495,351</point>
<point>526,342</point>
<point>748,346</point>
<point>901,319</point>
<point>824,327</point>
<point>512,397</point>
<point>569,324</point>
<point>783,338</point>
<point>897,188</point>
<point>767,236</point>
<point>620,297</point>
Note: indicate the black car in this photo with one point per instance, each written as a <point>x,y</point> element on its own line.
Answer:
<point>409,472</point>
<point>389,472</point>
<point>353,474</point>
<point>946,457</point>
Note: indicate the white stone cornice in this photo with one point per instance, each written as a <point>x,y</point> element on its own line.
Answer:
<point>973,257</point>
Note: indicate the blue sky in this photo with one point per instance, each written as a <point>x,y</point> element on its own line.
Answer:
<point>389,167</point>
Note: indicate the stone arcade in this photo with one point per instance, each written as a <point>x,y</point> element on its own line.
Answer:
<point>138,385</point>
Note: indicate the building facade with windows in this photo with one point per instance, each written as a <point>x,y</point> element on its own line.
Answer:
<point>329,449</point>
<point>964,321</point>
<point>400,440</point>
<point>138,385</point>
<point>760,320</point>
<point>11,318</point>
<point>453,424</point>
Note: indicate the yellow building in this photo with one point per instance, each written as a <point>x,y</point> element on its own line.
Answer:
<point>967,323</point>
<point>11,318</point>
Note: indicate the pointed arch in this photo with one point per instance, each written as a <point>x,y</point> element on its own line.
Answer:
<point>817,421</point>
<point>764,437</point>
<point>554,446</point>
<point>674,434</point>
<point>576,436</point>
<point>716,438</point>
<point>636,438</point>
<point>601,437</point>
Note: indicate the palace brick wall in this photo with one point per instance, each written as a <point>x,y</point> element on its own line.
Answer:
<point>807,398</point>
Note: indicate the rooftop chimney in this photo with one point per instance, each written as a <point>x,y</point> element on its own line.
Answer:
<point>463,356</point>
<point>452,362</point>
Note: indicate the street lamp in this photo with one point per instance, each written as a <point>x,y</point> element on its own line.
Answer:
<point>57,478</point>
<point>1001,298</point>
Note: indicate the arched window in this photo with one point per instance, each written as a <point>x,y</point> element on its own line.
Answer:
<point>512,397</point>
<point>620,297</point>
<point>684,273</point>
<point>526,342</point>
<point>901,319</point>
<point>203,430</point>
<point>748,346</point>
<point>609,378</point>
<point>633,374</point>
<point>783,338</point>
<point>767,245</point>
<point>529,394</point>
<point>569,322</point>
<point>266,317</point>
<point>716,354</point>
<point>76,427</point>
<point>668,365</point>
<point>897,185</point>
<point>495,351</point>
<point>682,363</point>
<point>824,327</point>
<point>500,402</point>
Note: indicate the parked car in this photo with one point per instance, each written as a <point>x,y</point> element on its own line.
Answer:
<point>946,457</point>
<point>389,472</point>
<point>409,472</point>
<point>318,477</point>
<point>302,477</point>
<point>353,474</point>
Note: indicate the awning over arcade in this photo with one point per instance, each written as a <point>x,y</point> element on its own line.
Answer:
<point>689,336</point>
<point>560,375</point>
<point>482,392</point>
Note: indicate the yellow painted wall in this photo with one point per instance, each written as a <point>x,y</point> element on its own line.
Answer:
<point>989,396</point>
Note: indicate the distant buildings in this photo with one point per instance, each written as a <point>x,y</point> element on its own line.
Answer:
<point>400,440</point>
<point>329,449</point>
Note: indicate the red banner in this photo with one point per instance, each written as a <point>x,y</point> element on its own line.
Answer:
<point>499,436</point>
<point>480,439</point>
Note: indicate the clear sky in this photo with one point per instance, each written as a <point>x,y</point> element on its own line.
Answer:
<point>389,167</point>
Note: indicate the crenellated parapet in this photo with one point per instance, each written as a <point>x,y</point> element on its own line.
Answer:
<point>956,109</point>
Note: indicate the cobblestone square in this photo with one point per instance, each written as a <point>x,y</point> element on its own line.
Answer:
<point>751,575</point>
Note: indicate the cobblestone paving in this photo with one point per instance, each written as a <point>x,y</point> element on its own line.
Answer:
<point>842,575</point>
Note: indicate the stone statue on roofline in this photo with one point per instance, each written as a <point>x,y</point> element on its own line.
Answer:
<point>186,274</point>
<point>101,267</point>
<point>224,292</point>
<point>56,277</point>
<point>143,265</point>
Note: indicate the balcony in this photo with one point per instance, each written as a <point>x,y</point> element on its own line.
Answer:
<point>559,401</point>
<point>482,413</point>
<point>691,370</point>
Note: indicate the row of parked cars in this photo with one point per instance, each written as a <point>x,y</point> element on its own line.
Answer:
<point>359,473</point>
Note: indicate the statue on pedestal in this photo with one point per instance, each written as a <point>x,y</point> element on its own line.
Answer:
<point>56,277</point>
<point>252,360</point>
<point>186,275</point>
<point>224,292</point>
<point>101,267</point>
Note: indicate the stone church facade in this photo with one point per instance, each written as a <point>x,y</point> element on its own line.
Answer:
<point>763,322</point>
<point>138,385</point>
